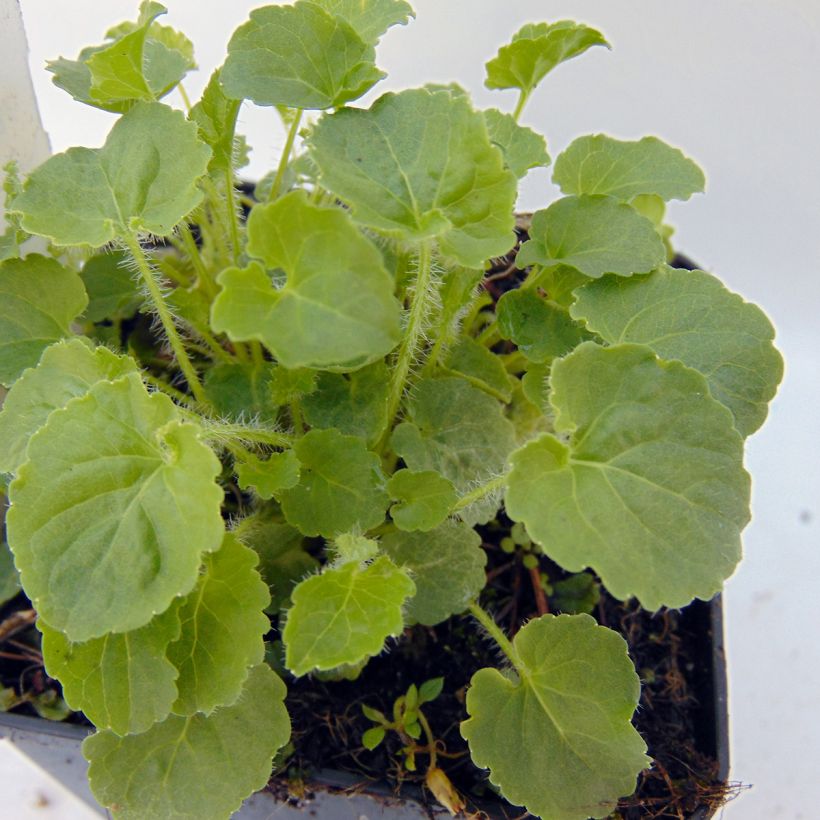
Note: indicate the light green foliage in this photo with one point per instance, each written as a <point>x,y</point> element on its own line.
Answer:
<point>419,164</point>
<point>535,385</point>
<point>283,560</point>
<point>122,682</point>
<point>557,736</point>
<point>199,767</point>
<point>369,18</point>
<point>344,615</point>
<point>337,306</point>
<point>142,179</point>
<point>522,147</point>
<point>691,316</point>
<point>140,61</point>
<point>535,50</point>
<point>560,284</point>
<point>480,367</point>
<point>13,236</point>
<point>350,547</point>
<point>113,510</point>
<point>241,390</point>
<point>595,235</point>
<point>540,328</point>
<point>9,579</point>
<point>66,370</point>
<point>215,115</point>
<point>458,289</point>
<point>111,287</point>
<point>341,486</point>
<point>602,165</point>
<point>354,403</point>
<point>649,490</point>
<point>279,471</point>
<point>579,593</point>
<point>39,299</point>
<point>447,566</point>
<point>424,499</point>
<point>222,629</point>
<point>458,431</point>
<point>300,56</point>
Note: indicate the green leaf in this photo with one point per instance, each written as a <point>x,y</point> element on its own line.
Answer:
<point>425,499</point>
<point>222,629</point>
<point>280,471</point>
<point>142,179</point>
<point>372,737</point>
<point>354,403</point>
<point>111,287</point>
<point>535,50</point>
<point>522,147</point>
<point>602,165</point>
<point>345,615</point>
<point>341,486</point>
<point>283,561</point>
<point>447,566</point>
<point>557,736</point>
<point>535,385</point>
<point>430,690</point>
<point>692,317</point>
<point>121,682</point>
<point>9,579</point>
<point>337,306</point>
<point>112,511</point>
<point>460,432</point>
<point>369,18</point>
<point>540,328</point>
<point>576,594</point>
<point>595,235</point>
<point>649,489</point>
<point>39,299</point>
<point>287,385</point>
<point>215,115</point>
<point>417,165</point>
<point>240,390</point>
<point>354,548</point>
<point>143,61</point>
<point>66,370</point>
<point>199,767</point>
<point>479,366</point>
<point>298,56</point>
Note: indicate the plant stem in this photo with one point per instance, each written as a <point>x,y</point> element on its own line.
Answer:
<point>431,741</point>
<point>285,158</point>
<point>189,243</point>
<point>233,219</point>
<point>412,334</point>
<point>169,390</point>
<point>522,101</point>
<point>479,492</point>
<point>148,276</point>
<point>490,335</point>
<point>216,430</point>
<point>497,635</point>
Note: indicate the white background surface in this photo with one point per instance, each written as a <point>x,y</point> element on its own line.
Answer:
<point>736,84</point>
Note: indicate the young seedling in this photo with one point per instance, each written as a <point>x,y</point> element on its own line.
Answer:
<point>293,417</point>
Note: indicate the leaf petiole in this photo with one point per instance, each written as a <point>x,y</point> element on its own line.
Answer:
<point>504,643</point>
<point>285,158</point>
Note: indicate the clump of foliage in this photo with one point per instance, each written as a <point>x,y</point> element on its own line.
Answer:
<point>333,362</point>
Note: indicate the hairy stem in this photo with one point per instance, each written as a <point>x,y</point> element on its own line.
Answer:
<point>479,492</point>
<point>217,430</point>
<point>413,333</point>
<point>497,635</point>
<point>190,246</point>
<point>285,158</point>
<point>155,292</point>
<point>233,219</point>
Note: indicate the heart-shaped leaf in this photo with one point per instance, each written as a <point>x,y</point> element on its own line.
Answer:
<point>113,510</point>
<point>419,164</point>
<point>649,490</point>
<point>142,179</point>
<point>557,736</point>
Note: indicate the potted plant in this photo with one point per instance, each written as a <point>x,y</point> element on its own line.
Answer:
<point>340,423</point>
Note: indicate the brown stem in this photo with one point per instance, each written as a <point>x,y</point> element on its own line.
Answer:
<point>540,597</point>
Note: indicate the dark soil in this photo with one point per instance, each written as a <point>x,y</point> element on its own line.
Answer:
<point>672,651</point>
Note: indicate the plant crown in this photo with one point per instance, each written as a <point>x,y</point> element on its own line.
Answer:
<point>334,362</point>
